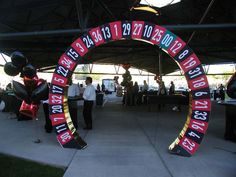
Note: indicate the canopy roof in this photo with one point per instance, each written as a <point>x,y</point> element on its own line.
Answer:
<point>214,44</point>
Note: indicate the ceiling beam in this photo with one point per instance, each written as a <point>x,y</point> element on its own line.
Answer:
<point>79,11</point>
<point>32,5</point>
<point>7,27</point>
<point>107,10</point>
<point>202,18</point>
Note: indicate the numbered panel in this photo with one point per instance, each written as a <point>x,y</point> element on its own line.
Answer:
<point>59,80</point>
<point>137,27</point>
<point>63,71</point>
<point>157,35</point>
<point>147,31</point>
<point>167,40</point>
<point>126,29</point>
<point>97,36</point>
<point>67,62</point>
<point>88,41</point>
<point>190,137</point>
<point>78,50</point>
<point>176,46</point>
<point>106,32</point>
<point>116,30</point>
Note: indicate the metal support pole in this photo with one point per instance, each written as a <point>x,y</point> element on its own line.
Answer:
<point>2,25</point>
<point>79,11</point>
<point>46,68</point>
<point>4,58</point>
<point>201,20</point>
<point>140,71</point>
<point>180,72</point>
<point>104,73</point>
<point>42,33</point>
<point>206,68</point>
<point>67,32</point>
<point>90,68</point>
<point>88,13</point>
<point>107,10</point>
<point>191,27</point>
<point>160,65</point>
<point>117,69</point>
<point>215,74</point>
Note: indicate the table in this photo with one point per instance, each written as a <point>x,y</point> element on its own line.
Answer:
<point>167,99</point>
<point>230,119</point>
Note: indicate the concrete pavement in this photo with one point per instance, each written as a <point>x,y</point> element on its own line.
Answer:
<point>125,142</point>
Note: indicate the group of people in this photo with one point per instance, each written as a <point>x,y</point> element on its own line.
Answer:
<point>131,95</point>
<point>87,94</point>
<point>101,88</point>
<point>135,95</point>
<point>221,90</point>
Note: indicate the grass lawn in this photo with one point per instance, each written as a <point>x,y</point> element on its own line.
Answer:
<point>17,167</point>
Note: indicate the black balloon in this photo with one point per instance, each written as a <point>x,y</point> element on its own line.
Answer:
<point>20,91</point>
<point>231,87</point>
<point>40,93</point>
<point>11,69</point>
<point>18,59</point>
<point>28,71</point>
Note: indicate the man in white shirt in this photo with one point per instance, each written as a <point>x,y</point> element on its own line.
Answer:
<point>145,87</point>
<point>89,96</point>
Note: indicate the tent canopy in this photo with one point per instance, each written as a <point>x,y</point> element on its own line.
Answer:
<point>19,18</point>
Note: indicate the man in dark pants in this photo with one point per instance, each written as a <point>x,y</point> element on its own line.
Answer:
<point>89,96</point>
<point>48,123</point>
<point>73,91</point>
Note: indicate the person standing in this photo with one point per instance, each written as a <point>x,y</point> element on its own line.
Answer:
<point>222,92</point>
<point>73,91</point>
<point>144,92</point>
<point>129,94</point>
<point>98,88</point>
<point>172,92</point>
<point>48,123</point>
<point>162,88</point>
<point>135,93</point>
<point>172,88</point>
<point>162,92</point>
<point>89,96</point>
<point>103,87</point>
<point>145,87</point>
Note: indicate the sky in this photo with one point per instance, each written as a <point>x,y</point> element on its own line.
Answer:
<point>158,3</point>
<point>2,61</point>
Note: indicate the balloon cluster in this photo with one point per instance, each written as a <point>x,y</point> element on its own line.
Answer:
<point>33,90</point>
<point>126,76</point>
<point>158,78</point>
<point>126,66</point>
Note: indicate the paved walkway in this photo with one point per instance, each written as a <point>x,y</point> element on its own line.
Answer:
<point>125,142</point>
